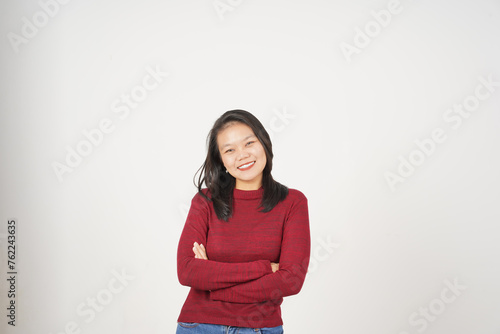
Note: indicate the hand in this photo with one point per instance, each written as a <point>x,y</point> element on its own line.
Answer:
<point>275,266</point>
<point>199,251</point>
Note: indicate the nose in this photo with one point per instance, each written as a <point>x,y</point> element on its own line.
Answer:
<point>243,154</point>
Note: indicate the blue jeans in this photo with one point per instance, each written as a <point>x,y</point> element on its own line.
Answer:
<point>199,328</point>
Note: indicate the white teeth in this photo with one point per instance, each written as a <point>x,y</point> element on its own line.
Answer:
<point>248,164</point>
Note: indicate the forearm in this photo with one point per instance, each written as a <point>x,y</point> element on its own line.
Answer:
<point>212,275</point>
<point>287,281</point>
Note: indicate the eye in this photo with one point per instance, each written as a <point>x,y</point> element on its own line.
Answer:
<point>250,142</point>
<point>229,150</point>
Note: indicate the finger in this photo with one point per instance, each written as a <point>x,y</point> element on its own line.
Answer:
<point>198,247</point>
<point>196,252</point>
<point>199,253</point>
<point>204,252</point>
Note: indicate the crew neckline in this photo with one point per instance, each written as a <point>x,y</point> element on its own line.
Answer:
<point>248,194</point>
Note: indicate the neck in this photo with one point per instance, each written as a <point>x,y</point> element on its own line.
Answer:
<point>248,186</point>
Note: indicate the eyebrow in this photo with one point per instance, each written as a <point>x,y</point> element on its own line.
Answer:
<point>249,136</point>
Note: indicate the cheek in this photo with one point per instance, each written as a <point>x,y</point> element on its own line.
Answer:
<point>261,154</point>
<point>227,161</point>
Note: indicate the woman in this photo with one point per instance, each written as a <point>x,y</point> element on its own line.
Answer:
<point>246,242</point>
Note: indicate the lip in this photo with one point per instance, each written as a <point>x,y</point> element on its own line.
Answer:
<point>243,169</point>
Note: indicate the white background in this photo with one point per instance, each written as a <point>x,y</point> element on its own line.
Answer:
<point>381,256</point>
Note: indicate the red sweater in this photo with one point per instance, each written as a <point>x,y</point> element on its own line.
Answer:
<point>236,285</point>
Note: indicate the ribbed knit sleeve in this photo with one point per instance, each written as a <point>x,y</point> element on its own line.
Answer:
<point>207,274</point>
<point>293,264</point>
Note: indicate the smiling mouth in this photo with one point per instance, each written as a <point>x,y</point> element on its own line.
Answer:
<point>246,165</point>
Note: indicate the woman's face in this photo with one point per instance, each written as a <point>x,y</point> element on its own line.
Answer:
<point>238,146</point>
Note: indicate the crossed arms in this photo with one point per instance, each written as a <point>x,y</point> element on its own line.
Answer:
<point>245,282</point>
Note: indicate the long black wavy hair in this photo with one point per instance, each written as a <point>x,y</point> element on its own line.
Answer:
<point>221,184</point>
